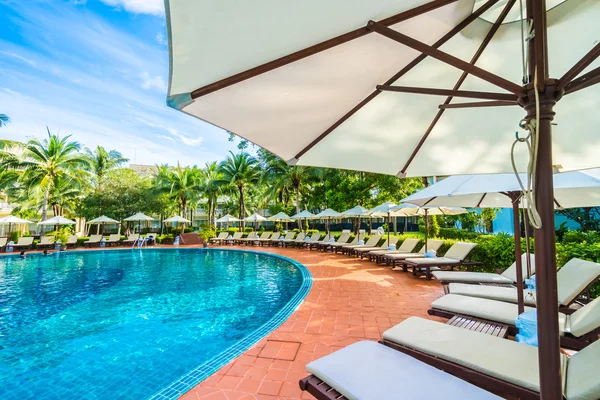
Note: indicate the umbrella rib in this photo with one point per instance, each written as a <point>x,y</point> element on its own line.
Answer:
<point>460,81</point>
<point>450,93</point>
<point>309,51</point>
<point>446,58</point>
<point>586,80</point>
<point>453,32</point>
<point>478,104</point>
<point>579,67</point>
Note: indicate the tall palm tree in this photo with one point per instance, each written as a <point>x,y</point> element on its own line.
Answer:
<point>4,119</point>
<point>102,161</point>
<point>182,184</point>
<point>45,163</point>
<point>240,171</point>
<point>283,178</point>
<point>211,188</point>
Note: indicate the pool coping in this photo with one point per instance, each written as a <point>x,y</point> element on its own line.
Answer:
<point>188,381</point>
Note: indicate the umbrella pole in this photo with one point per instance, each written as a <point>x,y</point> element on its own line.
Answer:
<point>426,229</point>
<point>98,229</point>
<point>514,197</point>
<point>388,229</point>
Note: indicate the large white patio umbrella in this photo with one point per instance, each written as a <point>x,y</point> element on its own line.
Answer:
<point>303,214</point>
<point>281,217</point>
<point>255,218</point>
<point>102,220</point>
<point>226,219</point>
<point>356,212</point>
<point>328,213</point>
<point>377,83</point>
<point>57,221</point>
<point>139,217</point>
<point>384,210</point>
<point>176,219</point>
<point>11,219</point>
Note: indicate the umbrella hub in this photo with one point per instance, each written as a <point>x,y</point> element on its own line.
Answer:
<point>547,100</point>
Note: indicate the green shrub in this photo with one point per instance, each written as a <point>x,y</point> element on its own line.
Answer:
<point>81,240</point>
<point>248,229</point>
<point>176,231</point>
<point>581,237</point>
<point>458,234</point>
<point>14,236</point>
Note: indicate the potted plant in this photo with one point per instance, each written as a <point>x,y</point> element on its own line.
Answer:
<point>205,233</point>
<point>61,237</point>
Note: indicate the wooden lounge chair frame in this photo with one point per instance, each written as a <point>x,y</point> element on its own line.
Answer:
<point>320,389</point>
<point>45,245</point>
<point>567,340</point>
<point>219,239</point>
<point>419,270</point>
<point>477,378</point>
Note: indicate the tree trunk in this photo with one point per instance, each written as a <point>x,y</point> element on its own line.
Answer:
<point>45,207</point>
<point>242,210</point>
<point>297,190</point>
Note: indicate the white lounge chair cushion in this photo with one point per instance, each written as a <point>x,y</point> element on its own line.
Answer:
<point>497,311</point>
<point>509,361</point>
<point>585,320</point>
<point>475,277</point>
<point>500,293</point>
<point>582,374</point>
<point>460,250</point>
<point>574,277</point>
<point>402,256</point>
<point>436,260</point>
<point>408,245</point>
<point>511,272</point>
<point>368,370</point>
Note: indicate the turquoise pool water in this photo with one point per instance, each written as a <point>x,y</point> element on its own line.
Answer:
<point>128,323</point>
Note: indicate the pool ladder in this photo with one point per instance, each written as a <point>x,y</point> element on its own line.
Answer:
<point>140,242</point>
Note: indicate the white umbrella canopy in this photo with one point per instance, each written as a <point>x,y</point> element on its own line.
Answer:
<point>227,218</point>
<point>57,221</point>
<point>358,211</point>
<point>280,216</point>
<point>303,214</point>
<point>11,219</point>
<point>328,213</point>
<point>103,220</point>
<point>177,219</point>
<point>312,84</point>
<point>139,217</point>
<point>571,189</point>
<point>255,218</point>
<point>384,210</point>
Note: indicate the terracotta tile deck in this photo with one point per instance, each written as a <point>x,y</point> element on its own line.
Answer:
<point>350,300</point>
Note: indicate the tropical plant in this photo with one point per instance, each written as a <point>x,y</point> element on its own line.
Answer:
<point>181,184</point>
<point>101,160</point>
<point>48,165</point>
<point>4,119</point>
<point>239,171</point>
<point>211,188</point>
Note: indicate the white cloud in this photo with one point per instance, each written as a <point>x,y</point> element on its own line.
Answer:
<point>19,57</point>
<point>184,139</point>
<point>160,39</point>
<point>150,82</point>
<point>152,7</point>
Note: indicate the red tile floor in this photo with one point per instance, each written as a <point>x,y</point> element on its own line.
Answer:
<point>350,300</point>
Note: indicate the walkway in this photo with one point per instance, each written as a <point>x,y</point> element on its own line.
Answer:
<point>350,300</point>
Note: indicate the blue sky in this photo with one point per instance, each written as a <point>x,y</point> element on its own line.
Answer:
<point>97,69</point>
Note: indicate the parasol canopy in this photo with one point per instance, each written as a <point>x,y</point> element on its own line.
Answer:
<point>103,220</point>
<point>228,218</point>
<point>139,217</point>
<point>11,219</point>
<point>328,213</point>
<point>57,221</point>
<point>280,216</point>
<point>255,218</point>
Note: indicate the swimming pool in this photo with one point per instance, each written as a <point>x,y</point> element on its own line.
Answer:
<point>130,323</point>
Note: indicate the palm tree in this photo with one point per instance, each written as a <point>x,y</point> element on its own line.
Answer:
<point>284,179</point>
<point>47,163</point>
<point>102,161</point>
<point>211,188</point>
<point>182,184</point>
<point>240,171</point>
<point>4,119</point>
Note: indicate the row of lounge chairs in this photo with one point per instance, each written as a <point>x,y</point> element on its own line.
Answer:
<point>47,242</point>
<point>434,354</point>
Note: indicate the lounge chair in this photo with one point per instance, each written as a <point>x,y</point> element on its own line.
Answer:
<point>71,242</point>
<point>113,240</point>
<point>219,239</point>
<point>577,329</point>
<point>3,242</point>
<point>503,366</point>
<point>46,242</point>
<point>395,258</point>
<point>508,277</point>
<point>281,240</point>
<point>573,279</point>
<point>314,238</point>
<point>407,246</point>
<point>454,257</point>
<point>131,239</point>
<point>231,240</point>
<point>371,242</point>
<point>362,251</point>
<point>263,237</point>
<point>94,240</point>
<point>371,371</point>
<point>338,246</point>
<point>24,243</point>
<point>293,242</point>
<point>316,244</point>
<point>248,239</point>
<point>342,239</point>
